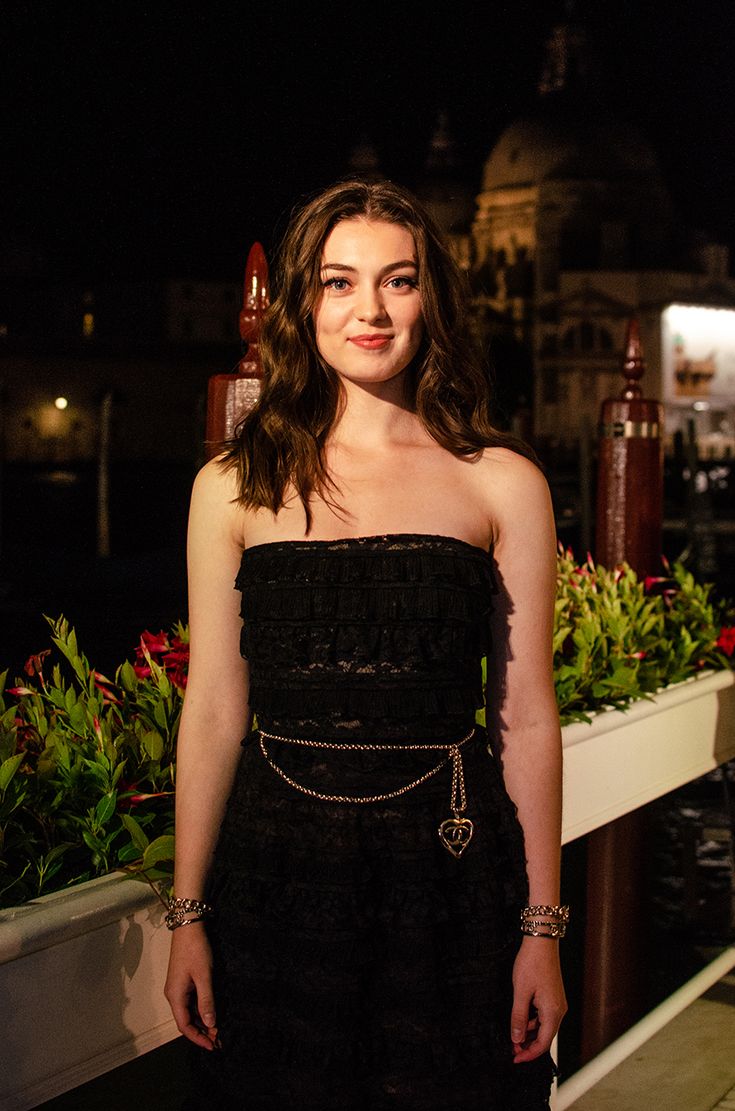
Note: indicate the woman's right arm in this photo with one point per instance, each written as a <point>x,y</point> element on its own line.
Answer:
<point>214,719</point>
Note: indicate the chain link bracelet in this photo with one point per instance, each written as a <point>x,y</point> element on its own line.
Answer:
<point>178,909</point>
<point>542,920</point>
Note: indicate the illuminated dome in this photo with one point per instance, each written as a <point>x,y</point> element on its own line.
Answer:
<point>570,134</point>
<point>570,180</point>
<point>561,142</point>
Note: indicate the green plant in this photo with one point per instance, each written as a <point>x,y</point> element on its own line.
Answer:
<point>87,769</point>
<point>618,638</point>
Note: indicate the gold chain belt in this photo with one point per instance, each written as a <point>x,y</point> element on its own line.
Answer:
<point>454,833</point>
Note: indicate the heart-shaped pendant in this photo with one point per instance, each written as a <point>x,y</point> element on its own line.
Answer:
<point>455,834</point>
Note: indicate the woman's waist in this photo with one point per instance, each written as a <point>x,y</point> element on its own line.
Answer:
<point>340,764</point>
<point>329,727</point>
<point>363,705</point>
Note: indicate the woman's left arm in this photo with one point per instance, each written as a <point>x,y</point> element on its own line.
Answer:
<point>523,724</point>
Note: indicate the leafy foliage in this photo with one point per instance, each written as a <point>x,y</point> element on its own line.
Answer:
<point>87,768</point>
<point>618,639</point>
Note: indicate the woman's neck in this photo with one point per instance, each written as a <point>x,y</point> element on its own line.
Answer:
<point>372,420</point>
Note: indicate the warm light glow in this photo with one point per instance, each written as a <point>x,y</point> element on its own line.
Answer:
<point>698,355</point>
<point>88,324</point>
<point>61,403</point>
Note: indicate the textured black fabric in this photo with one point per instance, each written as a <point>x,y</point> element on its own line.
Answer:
<point>359,966</point>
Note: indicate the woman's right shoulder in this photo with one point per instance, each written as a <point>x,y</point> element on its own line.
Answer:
<point>217,480</point>
<point>215,499</point>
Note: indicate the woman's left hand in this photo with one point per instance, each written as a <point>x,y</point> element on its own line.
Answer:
<point>539,1002</point>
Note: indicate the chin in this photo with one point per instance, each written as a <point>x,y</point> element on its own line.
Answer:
<point>368,377</point>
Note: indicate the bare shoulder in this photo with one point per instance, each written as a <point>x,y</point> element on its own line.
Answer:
<point>214,506</point>
<point>507,466</point>
<point>215,481</point>
<point>216,486</point>
<point>515,490</point>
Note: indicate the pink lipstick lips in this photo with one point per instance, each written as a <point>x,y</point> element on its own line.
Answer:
<point>371,341</point>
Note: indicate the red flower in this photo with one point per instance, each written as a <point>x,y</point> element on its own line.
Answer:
<point>135,800</point>
<point>170,654</point>
<point>154,643</point>
<point>726,639</point>
<point>34,664</point>
<point>178,677</point>
<point>103,686</point>
<point>20,691</point>
<point>657,584</point>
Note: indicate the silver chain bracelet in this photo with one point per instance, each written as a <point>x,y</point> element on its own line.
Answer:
<point>178,909</point>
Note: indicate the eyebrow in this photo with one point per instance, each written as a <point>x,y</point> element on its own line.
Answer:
<point>385,269</point>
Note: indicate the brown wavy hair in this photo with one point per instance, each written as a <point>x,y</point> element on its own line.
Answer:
<point>281,440</point>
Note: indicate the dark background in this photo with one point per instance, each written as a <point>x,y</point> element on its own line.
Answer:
<point>165,137</point>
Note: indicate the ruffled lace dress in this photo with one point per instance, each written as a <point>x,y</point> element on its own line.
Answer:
<point>358,964</point>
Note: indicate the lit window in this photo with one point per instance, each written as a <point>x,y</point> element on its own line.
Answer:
<point>88,324</point>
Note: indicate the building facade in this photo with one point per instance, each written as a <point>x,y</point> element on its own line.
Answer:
<point>573,232</point>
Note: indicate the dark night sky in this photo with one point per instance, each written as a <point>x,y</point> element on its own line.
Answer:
<point>163,137</point>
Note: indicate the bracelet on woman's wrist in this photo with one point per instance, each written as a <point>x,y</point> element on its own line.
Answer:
<point>543,920</point>
<point>184,912</point>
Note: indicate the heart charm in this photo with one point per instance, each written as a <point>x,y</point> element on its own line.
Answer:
<point>455,834</point>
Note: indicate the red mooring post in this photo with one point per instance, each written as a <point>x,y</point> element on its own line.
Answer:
<point>629,525</point>
<point>231,395</point>
<point>630,476</point>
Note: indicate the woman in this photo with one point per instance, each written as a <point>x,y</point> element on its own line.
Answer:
<point>376,923</point>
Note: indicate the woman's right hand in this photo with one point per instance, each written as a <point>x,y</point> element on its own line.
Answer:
<point>189,985</point>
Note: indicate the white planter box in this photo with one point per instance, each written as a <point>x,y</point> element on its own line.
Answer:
<point>624,759</point>
<point>82,971</point>
<point>81,984</point>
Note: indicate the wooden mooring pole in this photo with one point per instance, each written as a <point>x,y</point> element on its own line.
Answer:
<point>629,527</point>
<point>231,395</point>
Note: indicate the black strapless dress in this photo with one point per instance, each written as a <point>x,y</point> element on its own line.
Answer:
<point>359,965</point>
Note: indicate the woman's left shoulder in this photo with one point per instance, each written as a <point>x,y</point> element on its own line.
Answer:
<point>511,480</point>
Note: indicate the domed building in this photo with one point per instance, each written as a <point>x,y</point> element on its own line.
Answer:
<point>574,231</point>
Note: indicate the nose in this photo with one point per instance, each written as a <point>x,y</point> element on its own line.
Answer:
<point>369,304</point>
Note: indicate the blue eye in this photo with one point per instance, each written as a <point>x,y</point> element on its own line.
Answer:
<point>405,282</point>
<point>337,284</point>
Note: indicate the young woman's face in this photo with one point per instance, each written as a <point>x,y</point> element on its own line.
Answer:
<point>368,320</point>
